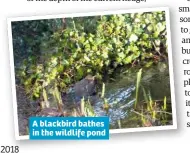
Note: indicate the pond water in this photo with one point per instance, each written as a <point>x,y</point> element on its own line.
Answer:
<point>120,94</point>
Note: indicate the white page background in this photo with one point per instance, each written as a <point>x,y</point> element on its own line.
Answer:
<point>156,141</point>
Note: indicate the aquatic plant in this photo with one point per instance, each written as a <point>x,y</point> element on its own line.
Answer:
<point>86,108</point>
<point>151,112</point>
<point>57,97</point>
<point>137,86</point>
<point>103,90</point>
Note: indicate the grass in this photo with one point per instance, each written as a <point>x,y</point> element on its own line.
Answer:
<point>86,108</point>
<point>148,110</point>
<point>151,112</point>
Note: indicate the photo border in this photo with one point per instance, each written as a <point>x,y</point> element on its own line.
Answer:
<point>112,131</point>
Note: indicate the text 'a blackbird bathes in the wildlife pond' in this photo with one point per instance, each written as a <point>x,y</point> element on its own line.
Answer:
<point>68,128</point>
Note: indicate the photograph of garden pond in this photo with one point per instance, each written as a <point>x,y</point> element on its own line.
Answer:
<point>112,65</point>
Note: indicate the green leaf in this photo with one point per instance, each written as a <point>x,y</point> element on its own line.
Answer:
<point>128,59</point>
<point>86,58</point>
<point>133,38</point>
<point>105,54</point>
<point>121,55</point>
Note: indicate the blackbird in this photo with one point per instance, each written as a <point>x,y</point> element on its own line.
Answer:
<point>85,88</point>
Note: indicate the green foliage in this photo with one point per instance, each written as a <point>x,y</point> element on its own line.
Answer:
<point>103,90</point>
<point>62,51</point>
<point>86,108</point>
<point>28,36</point>
<point>150,111</point>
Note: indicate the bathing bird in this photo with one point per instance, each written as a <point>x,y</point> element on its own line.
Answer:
<point>85,88</point>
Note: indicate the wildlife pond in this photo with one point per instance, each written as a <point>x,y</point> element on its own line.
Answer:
<point>120,94</point>
<point>106,65</point>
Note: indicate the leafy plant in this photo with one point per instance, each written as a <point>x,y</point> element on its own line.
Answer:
<point>60,52</point>
<point>151,112</point>
<point>86,108</point>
